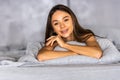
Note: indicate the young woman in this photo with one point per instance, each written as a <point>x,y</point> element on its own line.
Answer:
<point>62,26</point>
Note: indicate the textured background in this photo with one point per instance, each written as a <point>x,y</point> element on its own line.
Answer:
<point>102,16</point>
<point>22,21</point>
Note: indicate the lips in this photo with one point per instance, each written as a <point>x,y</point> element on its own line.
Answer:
<point>64,31</point>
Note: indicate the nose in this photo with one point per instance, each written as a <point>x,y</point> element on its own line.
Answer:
<point>62,25</point>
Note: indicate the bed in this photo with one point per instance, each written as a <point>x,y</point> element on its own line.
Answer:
<point>64,72</point>
<point>26,66</point>
<point>22,34</point>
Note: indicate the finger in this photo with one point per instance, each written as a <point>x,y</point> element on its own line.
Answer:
<point>48,42</point>
<point>58,36</point>
<point>51,41</point>
<point>50,38</point>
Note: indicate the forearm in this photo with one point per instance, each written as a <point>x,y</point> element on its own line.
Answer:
<point>85,50</point>
<point>48,54</point>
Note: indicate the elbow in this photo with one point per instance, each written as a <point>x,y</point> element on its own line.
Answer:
<point>99,55</point>
<point>41,57</point>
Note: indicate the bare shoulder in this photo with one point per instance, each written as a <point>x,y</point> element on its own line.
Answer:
<point>92,41</point>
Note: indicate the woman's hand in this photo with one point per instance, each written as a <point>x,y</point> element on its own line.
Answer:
<point>58,39</point>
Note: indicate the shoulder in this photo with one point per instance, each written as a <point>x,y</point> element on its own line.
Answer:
<point>86,37</point>
<point>92,41</point>
<point>91,38</point>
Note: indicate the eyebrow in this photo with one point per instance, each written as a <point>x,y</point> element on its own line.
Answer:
<point>63,18</point>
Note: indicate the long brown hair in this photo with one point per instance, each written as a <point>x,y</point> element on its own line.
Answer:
<point>80,34</point>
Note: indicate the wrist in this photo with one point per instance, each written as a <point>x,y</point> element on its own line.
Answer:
<point>66,46</point>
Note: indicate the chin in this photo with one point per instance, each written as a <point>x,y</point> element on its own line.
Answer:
<point>65,36</point>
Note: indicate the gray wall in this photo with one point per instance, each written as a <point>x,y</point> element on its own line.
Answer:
<point>102,16</point>
<point>22,21</point>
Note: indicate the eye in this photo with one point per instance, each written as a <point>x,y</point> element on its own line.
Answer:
<point>66,20</point>
<point>55,24</point>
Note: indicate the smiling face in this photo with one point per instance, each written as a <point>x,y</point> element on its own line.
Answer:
<point>62,24</point>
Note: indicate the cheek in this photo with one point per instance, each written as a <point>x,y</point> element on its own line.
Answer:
<point>56,30</point>
<point>71,26</point>
<point>71,29</point>
<point>70,23</point>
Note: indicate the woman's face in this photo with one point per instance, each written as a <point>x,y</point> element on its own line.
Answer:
<point>62,24</point>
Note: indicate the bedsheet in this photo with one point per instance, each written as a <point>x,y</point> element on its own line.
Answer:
<point>26,67</point>
<point>36,71</point>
